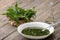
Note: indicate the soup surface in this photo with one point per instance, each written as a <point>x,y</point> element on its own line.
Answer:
<point>35,32</point>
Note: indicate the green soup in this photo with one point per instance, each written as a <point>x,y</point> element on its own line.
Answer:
<point>35,32</point>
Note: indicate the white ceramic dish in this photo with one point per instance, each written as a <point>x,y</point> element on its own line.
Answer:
<point>35,24</point>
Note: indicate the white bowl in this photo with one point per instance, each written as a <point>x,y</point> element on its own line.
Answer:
<point>35,24</point>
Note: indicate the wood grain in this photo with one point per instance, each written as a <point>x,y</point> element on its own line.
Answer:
<point>8,32</point>
<point>3,20</point>
<point>15,36</point>
<point>3,5</point>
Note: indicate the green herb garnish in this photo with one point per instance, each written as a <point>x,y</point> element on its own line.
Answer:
<point>16,13</point>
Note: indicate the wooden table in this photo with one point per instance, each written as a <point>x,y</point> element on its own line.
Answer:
<point>43,7</point>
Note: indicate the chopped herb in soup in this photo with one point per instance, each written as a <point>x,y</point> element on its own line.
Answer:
<point>35,32</point>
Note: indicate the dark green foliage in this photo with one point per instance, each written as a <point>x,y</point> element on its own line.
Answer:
<point>16,13</point>
<point>35,32</point>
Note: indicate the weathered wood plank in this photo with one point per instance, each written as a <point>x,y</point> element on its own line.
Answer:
<point>6,30</point>
<point>44,10</point>
<point>47,4</point>
<point>57,12</point>
<point>25,3</point>
<point>34,4</point>
<point>3,5</point>
<point>3,20</point>
<point>43,16</point>
<point>57,16</point>
<point>4,2</point>
<point>56,8</point>
<point>13,35</point>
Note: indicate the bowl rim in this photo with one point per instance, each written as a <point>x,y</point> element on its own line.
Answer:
<point>34,36</point>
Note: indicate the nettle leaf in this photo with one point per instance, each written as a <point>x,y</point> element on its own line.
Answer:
<point>16,13</point>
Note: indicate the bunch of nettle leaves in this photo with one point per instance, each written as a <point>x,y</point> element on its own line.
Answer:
<point>16,14</point>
